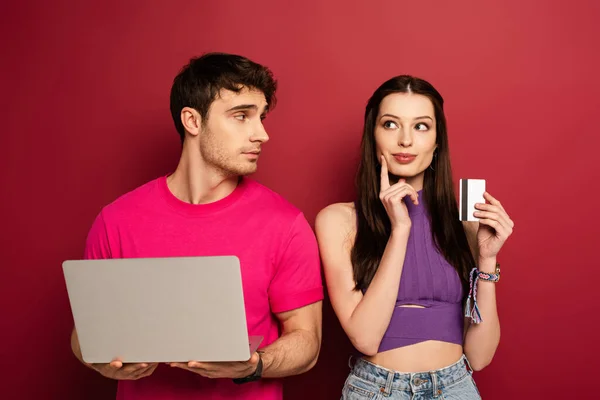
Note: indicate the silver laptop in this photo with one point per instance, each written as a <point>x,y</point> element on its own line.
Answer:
<point>159,309</point>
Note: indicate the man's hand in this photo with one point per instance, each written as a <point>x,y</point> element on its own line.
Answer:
<point>117,370</point>
<point>239,369</point>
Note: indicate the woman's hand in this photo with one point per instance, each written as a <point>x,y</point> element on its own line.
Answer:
<point>495,226</point>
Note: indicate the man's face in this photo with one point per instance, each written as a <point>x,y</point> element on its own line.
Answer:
<point>233,132</point>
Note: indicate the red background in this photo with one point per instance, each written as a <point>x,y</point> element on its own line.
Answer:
<point>85,118</point>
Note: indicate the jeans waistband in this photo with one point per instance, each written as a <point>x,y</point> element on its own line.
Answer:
<point>411,381</point>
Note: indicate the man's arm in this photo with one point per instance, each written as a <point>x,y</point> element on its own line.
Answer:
<point>296,294</point>
<point>297,350</point>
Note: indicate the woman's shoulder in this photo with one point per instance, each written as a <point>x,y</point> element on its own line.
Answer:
<point>336,224</point>
<point>337,215</point>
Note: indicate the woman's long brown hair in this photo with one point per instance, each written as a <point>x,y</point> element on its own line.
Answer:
<point>373,224</point>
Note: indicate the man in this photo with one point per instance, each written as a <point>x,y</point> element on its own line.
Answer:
<point>208,206</point>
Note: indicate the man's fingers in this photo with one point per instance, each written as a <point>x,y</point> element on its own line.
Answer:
<point>180,365</point>
<point>144,371</point>
<point>114,365</point>
<point>134,368</point>
<point>199,371</point>
<point>117,370</point>
<point>385,179</point>
<point>254,359</point>
<point>145,374</point>
<point>195,364</point>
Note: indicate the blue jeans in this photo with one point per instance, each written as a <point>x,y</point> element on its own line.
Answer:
<point>370,381</point>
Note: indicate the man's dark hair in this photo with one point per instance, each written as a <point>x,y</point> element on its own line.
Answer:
<point>199,83</point>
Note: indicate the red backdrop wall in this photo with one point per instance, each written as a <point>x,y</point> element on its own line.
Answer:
<point>84,118</point>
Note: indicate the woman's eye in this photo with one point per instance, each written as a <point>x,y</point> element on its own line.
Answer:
<point>422,127</point>
<point>390,125</point>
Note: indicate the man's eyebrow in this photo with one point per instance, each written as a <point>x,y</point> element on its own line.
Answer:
<point>244,107</point>
<point>254,107</point>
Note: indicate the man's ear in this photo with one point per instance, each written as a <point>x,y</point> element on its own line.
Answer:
<point>191,120</point>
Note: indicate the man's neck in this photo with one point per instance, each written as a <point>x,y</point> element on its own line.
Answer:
<point>195,182</point>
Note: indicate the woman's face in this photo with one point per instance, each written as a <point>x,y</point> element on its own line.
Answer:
<point>405,133</point>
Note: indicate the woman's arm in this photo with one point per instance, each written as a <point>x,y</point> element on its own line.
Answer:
<point>364,318</point>
<point>486,239</point>
<point>482,339</point>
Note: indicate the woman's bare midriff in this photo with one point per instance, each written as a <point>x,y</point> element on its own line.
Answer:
<point>425,356</point>
<point>421,357</point>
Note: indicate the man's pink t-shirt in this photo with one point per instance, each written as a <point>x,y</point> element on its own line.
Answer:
<point>278,255</point>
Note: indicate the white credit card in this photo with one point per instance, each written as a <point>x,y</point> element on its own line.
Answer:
<point>471,192</point>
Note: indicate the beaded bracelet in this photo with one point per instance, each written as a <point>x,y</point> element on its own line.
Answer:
<point>475,276</point>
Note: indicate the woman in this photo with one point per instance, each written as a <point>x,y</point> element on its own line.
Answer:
<point>399,263</point>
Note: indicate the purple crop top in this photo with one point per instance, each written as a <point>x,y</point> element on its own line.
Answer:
<point>427,280</point>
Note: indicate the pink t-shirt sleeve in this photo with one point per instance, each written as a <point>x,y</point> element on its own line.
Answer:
<point>297,279</point>
<point>97,243</point>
